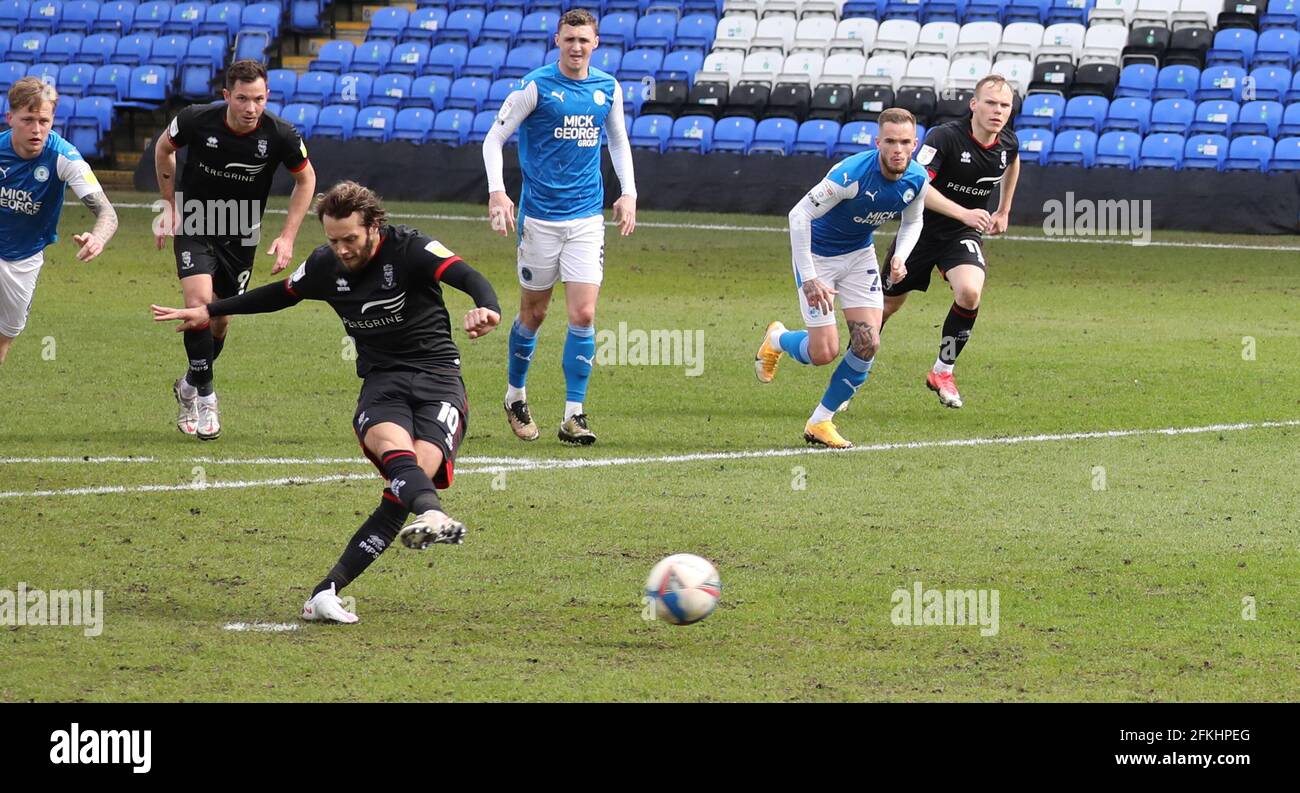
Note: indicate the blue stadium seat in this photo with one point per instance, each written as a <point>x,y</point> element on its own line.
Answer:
<point>500,27</point>
<point>733,134</point>
<point>468,93</point>
<point>1084,112</point>
<point>429,91</point>
<point>485,60</point>
<point>62,115</point>
<point>274,108</point>
<point>409,58</point>
<point>11,72</point>
<point>774,136</point>
<point>75,79</point>
<point>374,123</point>
<point>1035,144</point>
<point>651,131</point>
<point>302,116</point>
<point>413,124</point>
<point>539,26</point>
<point>1257,118</point>
<point>521,61</point>
<point>46,72</point>
<point>1281,14</point>
<point>149,17</point>
<point>304,15</point>
<point>1290,121</point>
<point>62,48</point>
<point>451,127</point>
<point>335,121</point>
<point>111,80</point>
<point>313,87</point>
<point>1041,110</point>
<point>1249,153</point>
<point>1221,82</point>
<point>211,49</point>
<point>656,31</point>
<point>148,87</point>
<point>1176,82</point>
<point>462,27</point>
<point>351,88</point>
<point>252,45</point>
<point>1205,152</point>
<point>607,59</point>
<point>98,109</point>
<point>634,96</point>
<point>1118,150</point>
<point>1232,47</point>
<point>1286,155</point>
<point>1172,115</point>
<point>1161,150</point>
<point>499,90</point>
<point>221,19</point>
<point>43,15</point>
<point>481,126</point>
<point>196,79</point>
<point>26,47</point>
<point>1068,11</point>
<point>1130,114</point>
<point>617,31</point>
<point>97,48</point>
<point>817,137</point>
<point>424,24</point>
<point>640,63</point>
<point>79,16</point>
<point>1278,47</point>
<point>1293,95</point>
<point>12,14</point>
<point>5,36</point>
<point>185,19</point>
<point>263,17</point>
<point>681,65</point>
<point>855,136</point>
<point>1137,79</point>
<point>696,32</point>
<point>372,57</point>
<point>334,56</point>
<point>1073,147</point>
<point>1215,117</point>
<point>168,50</point>
<point>447,59</point>
<point>85,136</point>
<point>388,24</point>
<point>389,90</point>
<point>115,16</point>
<point>689,133</point>
<point>133,50</point>
<point>1271,82</point>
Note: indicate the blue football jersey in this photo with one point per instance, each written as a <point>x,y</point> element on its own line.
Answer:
<point>559,144</point>
<point>849,225</point>
<point>31,194</point>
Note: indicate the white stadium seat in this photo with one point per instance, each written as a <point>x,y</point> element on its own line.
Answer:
<point>889,65</point>
<point>735,32</point>
<point>898,35</point>
<point>844,64</point>
<point>938,37</point>
<point>928,70</point>
<point>858,28</point>
<point>965,72</point>
<point>1021,38</point>
<point>1064,39</point>
<point>982,37</point>
<point>802,67</point>
<point>1018,71</point>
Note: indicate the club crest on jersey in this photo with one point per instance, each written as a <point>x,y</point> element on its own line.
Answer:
<point>261,148</point>
<point>1004,158</point>
<point>908,195</point>
<point>598,97</point>
<point>41,174</point>
<point>389,283</point>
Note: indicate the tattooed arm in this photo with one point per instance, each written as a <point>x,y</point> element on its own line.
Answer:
<point>92,243</point>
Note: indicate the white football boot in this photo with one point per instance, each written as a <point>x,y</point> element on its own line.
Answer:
<point>326,606</point>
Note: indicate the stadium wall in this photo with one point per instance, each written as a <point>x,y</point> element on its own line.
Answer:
<point>1232,202</point>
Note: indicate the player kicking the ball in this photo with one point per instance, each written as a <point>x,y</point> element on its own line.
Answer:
<point>385,283</point>
<point>831,241</point>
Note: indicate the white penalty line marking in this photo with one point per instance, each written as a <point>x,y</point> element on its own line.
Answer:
<point>525,465</point>
<point>262,627</point>
<point>786,230</point>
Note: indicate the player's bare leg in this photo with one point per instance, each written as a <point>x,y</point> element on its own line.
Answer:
<point>579,358</point>
<point>848,377</point>
<point>967,283</point>
<point>5,342</point>
<point>892,303</point>
<point>523,341</point>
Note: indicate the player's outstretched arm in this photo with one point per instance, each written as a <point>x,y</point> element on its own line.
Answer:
<point>620,154</point>
<point>264,299</point>
<point>1002,218</point>
<point>518,105</point>
<point>92,242</point>
<point>304,188</point>
<point>164,163</point>
<point>487,312</point>
<point>909,232</point>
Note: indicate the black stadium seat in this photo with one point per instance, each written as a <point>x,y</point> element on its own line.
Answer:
<point>789,100</point>
<point>1237,14</point>
<point>868,100</point>
<point>748,99</point>
<point>1146,44</point>
<point>953,106</point>
<point>669,97</point>
<point>1187,47</point>
<point>1095,79</point>
<point>1052,77</point>
<point>831,101</point>
<point>706,99</point>
<point>920,101</point>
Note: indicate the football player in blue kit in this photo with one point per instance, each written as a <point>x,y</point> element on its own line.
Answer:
<point>831,233</point>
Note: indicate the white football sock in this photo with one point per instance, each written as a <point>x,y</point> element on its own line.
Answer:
<point>821,414</point>
<point>941,367</point>
<point>514,395</point>
<point>188,391</point>
<point>572,409</point>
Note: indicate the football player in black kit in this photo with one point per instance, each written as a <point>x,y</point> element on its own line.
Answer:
<point>233,149</point>
<point>385,283</point>
<point>966,161</point>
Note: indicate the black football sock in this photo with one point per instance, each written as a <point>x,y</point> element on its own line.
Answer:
<point>217,345</point>
<point>409,482</point>
<point>956,332</point>
<point>371,539</point>
<point>198,346</point>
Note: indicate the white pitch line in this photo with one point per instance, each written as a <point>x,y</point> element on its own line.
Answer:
<point>526,465</point>
<point>785,230</point>
<point>18,460</point>
<point>262,627</point>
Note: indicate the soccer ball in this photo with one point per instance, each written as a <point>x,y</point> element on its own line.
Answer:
<point>682,589</point>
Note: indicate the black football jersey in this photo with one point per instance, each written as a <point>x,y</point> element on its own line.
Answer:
<point>393,307</point>
<point>224,165</point>
<point>963,170</point>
